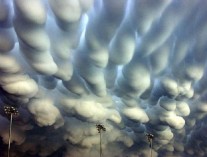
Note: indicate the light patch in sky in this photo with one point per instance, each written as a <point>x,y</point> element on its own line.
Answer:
<point>135,66</point>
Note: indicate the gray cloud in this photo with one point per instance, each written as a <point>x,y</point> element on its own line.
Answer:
<point>135,66</point>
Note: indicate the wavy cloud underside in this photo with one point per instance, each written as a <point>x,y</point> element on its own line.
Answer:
<point>135,66</point>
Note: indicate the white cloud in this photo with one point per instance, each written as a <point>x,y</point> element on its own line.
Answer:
<point>136,66</point>
<point>45,113</point>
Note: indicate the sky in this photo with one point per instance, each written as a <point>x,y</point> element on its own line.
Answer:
<point>137,67</point>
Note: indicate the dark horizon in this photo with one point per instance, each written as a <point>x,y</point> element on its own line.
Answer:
<point>136,67</point>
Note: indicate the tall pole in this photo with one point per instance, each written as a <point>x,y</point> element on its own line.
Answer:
<point>150,138</point>
<point>100,145</point>
<point>150,147</point>
<point>10,134</point>
<point>100,127</point>
<point>10,110</point>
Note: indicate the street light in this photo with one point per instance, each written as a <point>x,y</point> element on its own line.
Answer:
<point>100,127</point>
<point>150,138</point>
<point>10,110</point>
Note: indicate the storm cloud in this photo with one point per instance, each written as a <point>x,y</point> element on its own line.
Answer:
<point>135,66</point>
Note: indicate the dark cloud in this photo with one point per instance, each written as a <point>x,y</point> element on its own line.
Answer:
<point>135,66</point>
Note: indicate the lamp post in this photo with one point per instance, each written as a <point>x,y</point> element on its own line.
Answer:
<point>10,110</point>
<point>100,127</point>
<point>150,138</point>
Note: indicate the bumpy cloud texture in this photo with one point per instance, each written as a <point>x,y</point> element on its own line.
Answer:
<point>135,66</point>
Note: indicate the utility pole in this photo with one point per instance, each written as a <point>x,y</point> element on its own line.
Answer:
<point>100,127</point>
<point>10,110</point>
<point>150,139</point>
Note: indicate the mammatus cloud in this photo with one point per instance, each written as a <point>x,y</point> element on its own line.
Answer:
<point>136,66</point>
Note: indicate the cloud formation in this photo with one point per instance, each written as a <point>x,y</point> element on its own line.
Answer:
<point>135,66</point>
